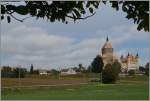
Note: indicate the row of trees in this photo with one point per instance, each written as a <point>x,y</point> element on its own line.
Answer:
<point>109,73</point>
<point>10,72</point>
<point>80,68</point>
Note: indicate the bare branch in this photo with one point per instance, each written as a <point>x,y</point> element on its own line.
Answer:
<point>14,17</point>
<point>80,17</point>
<point>21,20</point>
<point>26,18</point>
<point>10,1</point>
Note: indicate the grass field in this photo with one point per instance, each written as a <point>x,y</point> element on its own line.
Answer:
<point>127,88</point>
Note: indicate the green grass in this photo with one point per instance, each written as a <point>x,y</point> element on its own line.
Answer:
<point>137,90</point>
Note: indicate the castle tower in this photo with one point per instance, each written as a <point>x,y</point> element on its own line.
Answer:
<point>137,60</point>
<point>128,60</point>
<point>107,52</point>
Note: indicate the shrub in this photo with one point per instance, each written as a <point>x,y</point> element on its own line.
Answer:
<point>110,73</point>
<point>131,72</point>
<point>19,72</point>
<point>147,69</point>
<point>107,75</point>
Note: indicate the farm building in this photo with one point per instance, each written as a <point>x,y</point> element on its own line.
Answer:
<point>69,71</point>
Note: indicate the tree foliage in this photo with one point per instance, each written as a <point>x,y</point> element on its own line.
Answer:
<point>97,64</point>
<point>147,69</point>
<point>6,71</point>
<point>19,73</point>
<point>31,69</point>
<point>107,75</point>
<point>116,67</point>
<point>51,10</point>
<point>9,72</point>
<point>141,69</point>
<point>62,10</point>
<point>54,71</point>
<point>138,11</point>
<point>81,68</point>
<point>111,72</point>
<point>131,72</point>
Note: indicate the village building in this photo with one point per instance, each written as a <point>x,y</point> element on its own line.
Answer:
<point>43,72</point>
<point>69,71</point>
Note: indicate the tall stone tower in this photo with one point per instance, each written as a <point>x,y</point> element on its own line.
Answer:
<point>107,52</point>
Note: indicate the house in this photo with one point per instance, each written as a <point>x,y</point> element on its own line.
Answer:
<point>69,71</point>
<point>43,72</point>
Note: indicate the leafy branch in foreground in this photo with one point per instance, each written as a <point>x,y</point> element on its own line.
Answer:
<point>63,11</point>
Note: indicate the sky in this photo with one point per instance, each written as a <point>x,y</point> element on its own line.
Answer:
<point>57,45</point>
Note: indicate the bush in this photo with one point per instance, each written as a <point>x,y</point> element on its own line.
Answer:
<point>107,75</point>
<point>8,72</point>
<point>110,73</point>
<point>36,72</point>
<point>19,72</point>
<point>147,69</point>
<point>131,72</point>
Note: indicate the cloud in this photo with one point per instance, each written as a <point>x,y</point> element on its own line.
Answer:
<point>25,45</point>
<point>122,34</point>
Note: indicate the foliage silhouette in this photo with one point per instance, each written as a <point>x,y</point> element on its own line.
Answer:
<point>31,69</point>
<point>62,10</point>
<point>111,72</point>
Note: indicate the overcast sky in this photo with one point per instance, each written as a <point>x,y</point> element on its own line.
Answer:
<point>57,45</point>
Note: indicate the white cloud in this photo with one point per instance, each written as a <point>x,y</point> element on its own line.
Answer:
<point>25,45</point>
<point>121,34</point>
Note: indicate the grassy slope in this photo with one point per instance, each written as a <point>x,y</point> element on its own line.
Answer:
<point>127,88</point>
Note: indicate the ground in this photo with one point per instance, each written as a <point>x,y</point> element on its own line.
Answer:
<point>127,88</point>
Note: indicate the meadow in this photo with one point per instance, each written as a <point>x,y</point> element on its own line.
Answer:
<point>127,88</point>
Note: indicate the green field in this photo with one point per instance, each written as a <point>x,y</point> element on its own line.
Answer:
<point>127,88</point>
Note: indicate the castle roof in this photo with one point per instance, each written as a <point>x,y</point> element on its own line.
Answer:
<point>107,44</point>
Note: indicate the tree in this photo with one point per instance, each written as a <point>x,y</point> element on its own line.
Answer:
<point>36,72</point>
<point>147,69</point>
<point>116,67</point>
<point>131,72</point>
<point>89,68</point>
<point>19,72</point>
<point>13,72</point>
<point>138,11</point>
<point>31,69</point>
<point>111,72</point>
<point>97,65</point>
<point>141,69</point>
<point>54,72</point>
<point>6,71</point>
<point>81,68</point>
<point>108,75</point>
<point>75,10</point>
<point>76,69</point>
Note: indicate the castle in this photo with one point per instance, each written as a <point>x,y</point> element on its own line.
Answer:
<point>128,62</point>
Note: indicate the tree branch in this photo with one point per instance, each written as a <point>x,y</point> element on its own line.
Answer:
<point>14,17</point>
<point>10,1</point>
<point>21,20</point>
<point>81,18</point>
